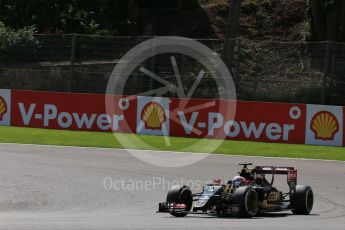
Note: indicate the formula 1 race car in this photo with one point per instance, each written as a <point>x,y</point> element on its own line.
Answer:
<point>246,195</point>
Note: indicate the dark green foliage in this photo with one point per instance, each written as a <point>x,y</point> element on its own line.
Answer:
<point>326,4</point>
<point>21,39</point>
<point>67,16</point>
<point>106,17</point>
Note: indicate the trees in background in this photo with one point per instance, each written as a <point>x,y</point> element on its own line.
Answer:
<point>67,16</point>
<point>106,17</point>
<point>146,17</point>
<point>21,39</point>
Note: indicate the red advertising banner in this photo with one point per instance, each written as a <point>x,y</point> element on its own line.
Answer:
<point>271,122</point>
<point>198,118</point>
<point>71,111</point>
<point>254,121</point>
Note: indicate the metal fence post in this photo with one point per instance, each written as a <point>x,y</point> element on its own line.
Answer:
<point>231,33</point>
<point>237,66</point>
<point>73,58</point>
<point>326,72</point>
<point>331,73</point>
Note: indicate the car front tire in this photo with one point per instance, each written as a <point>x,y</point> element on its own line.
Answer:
<point>180,195</point>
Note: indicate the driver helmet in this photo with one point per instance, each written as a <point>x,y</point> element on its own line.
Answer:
<point>238,181</point>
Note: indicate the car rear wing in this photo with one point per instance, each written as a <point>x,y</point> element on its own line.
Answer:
<point>291,173</point>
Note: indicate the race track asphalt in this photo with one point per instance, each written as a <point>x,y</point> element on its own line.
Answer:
<point>46,187</point>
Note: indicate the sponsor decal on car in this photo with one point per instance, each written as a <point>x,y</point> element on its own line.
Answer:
<point>274,196</point>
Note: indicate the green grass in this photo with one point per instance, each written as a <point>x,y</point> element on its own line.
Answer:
<point>107,140</point>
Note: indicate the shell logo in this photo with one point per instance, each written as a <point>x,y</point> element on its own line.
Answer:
<point>325,125</point>
<point>3,108</point>
<point>153,116</point>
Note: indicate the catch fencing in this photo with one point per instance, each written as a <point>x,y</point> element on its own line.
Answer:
<point>302,72</point>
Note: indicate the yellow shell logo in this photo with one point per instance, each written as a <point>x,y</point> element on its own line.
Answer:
<point>3,108</point>
<point>153,116</point>
<point>325,125</point>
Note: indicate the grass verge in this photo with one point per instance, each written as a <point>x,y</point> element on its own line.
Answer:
<point>107,140</point>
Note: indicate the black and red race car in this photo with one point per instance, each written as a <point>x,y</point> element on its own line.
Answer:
<point>246,195</point>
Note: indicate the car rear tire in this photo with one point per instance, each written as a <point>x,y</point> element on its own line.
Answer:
<point>247,200</point>
<point>301,200</point>
<point>180,195</point>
